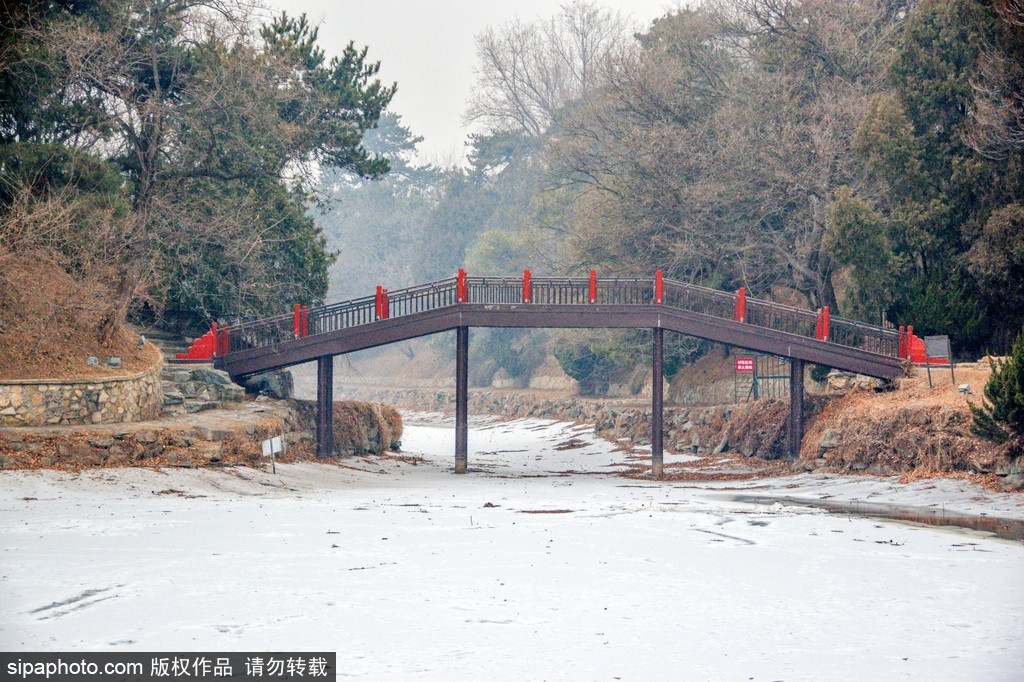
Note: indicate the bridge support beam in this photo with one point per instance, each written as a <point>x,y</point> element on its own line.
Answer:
<point>325,406</point>
<point>461,399</point>
<point>796,406</point>
<point>657,404</point>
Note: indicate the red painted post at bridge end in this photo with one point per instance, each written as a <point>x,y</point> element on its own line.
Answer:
<point>526,286</point>
<point>659,287</point>
<point>824,323</point>
<point>220,340</point>
<point>378,302</point>
<point>593,286</point>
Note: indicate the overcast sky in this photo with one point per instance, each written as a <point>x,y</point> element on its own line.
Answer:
<point>428,47</point>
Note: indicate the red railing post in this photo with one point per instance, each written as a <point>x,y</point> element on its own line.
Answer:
<point>378,302</point>
<point>461,289</point>
<point>593,286</point>
<point>739,312</point>
<point>296,321</point>
<point>824,323</point>
<point>385,304</point>
<point>304,320</point>
<point>526,286</point>
<point>221,341</point>
<point>902,352</point>
<point>659,287</point>
<point>817,324</point>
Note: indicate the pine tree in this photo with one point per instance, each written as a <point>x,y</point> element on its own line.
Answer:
<point>1001,416</point>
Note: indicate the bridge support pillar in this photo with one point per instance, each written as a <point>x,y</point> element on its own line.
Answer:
<point>657,404</point>
<point>796,406</point>
<point>325,406</point>
<point>461,399</point>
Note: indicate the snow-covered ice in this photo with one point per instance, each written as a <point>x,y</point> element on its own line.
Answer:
<point>539,563</point>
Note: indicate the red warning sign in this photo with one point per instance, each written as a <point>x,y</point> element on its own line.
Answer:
<point>744,364</point>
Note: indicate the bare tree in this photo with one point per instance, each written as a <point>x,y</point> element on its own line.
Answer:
<point>719,146</point>
<point>997,120</point>
<point>528,72</point>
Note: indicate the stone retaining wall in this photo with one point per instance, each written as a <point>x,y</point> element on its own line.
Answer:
<point>752,429</point>
<point>110,400</point>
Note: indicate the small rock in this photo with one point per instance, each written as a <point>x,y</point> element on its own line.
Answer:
<point>101,442</point>
<point>831,439</point>
<point>183,441</point>
<point>723,446</point>
<point>1012,482</point>
<point>211,377</point>
<point>214,434</point>
<point>191,389</point>
<point>146,437</point>
<point>228,394</point>
<point>838,381</point>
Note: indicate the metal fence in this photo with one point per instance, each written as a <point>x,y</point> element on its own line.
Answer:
<point>554,291</point>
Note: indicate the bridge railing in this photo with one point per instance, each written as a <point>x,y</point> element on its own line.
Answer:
<point>783,318</point>
<point>422,298</point>
<point>881,340</point>
<point>494,290</point>
<point>560,290</point>
<point>257,334</point>
<point>565,291</point>
<point>344,315</point>
<point>622,291</point>
<point>698,299</point>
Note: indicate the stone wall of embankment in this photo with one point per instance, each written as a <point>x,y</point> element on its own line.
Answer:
<point>214,437</point>
<point>36,402</point>
<point>752,429</point>
<point>897,436</point>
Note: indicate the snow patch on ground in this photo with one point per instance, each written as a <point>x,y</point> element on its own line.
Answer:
<point>539,563</point>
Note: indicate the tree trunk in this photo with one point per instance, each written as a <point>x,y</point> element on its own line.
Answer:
<point>114,317</point>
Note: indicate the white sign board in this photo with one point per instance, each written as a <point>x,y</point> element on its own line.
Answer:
<point>272,446</point>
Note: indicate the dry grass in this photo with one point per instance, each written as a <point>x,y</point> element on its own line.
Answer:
<point>915,428</point>
<point>366,427</point>
<point>49,325</point>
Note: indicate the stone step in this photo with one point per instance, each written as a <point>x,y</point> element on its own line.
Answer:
<point>173,398</point>
<point>193,406</point>
<point>175,376</point>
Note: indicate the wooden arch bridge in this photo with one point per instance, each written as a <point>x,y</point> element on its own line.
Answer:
<point>461,302</point>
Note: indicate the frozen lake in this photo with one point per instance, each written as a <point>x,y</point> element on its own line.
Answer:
<point>516,570</point>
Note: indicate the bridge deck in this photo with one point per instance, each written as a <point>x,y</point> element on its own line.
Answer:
<point>753,324</point>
